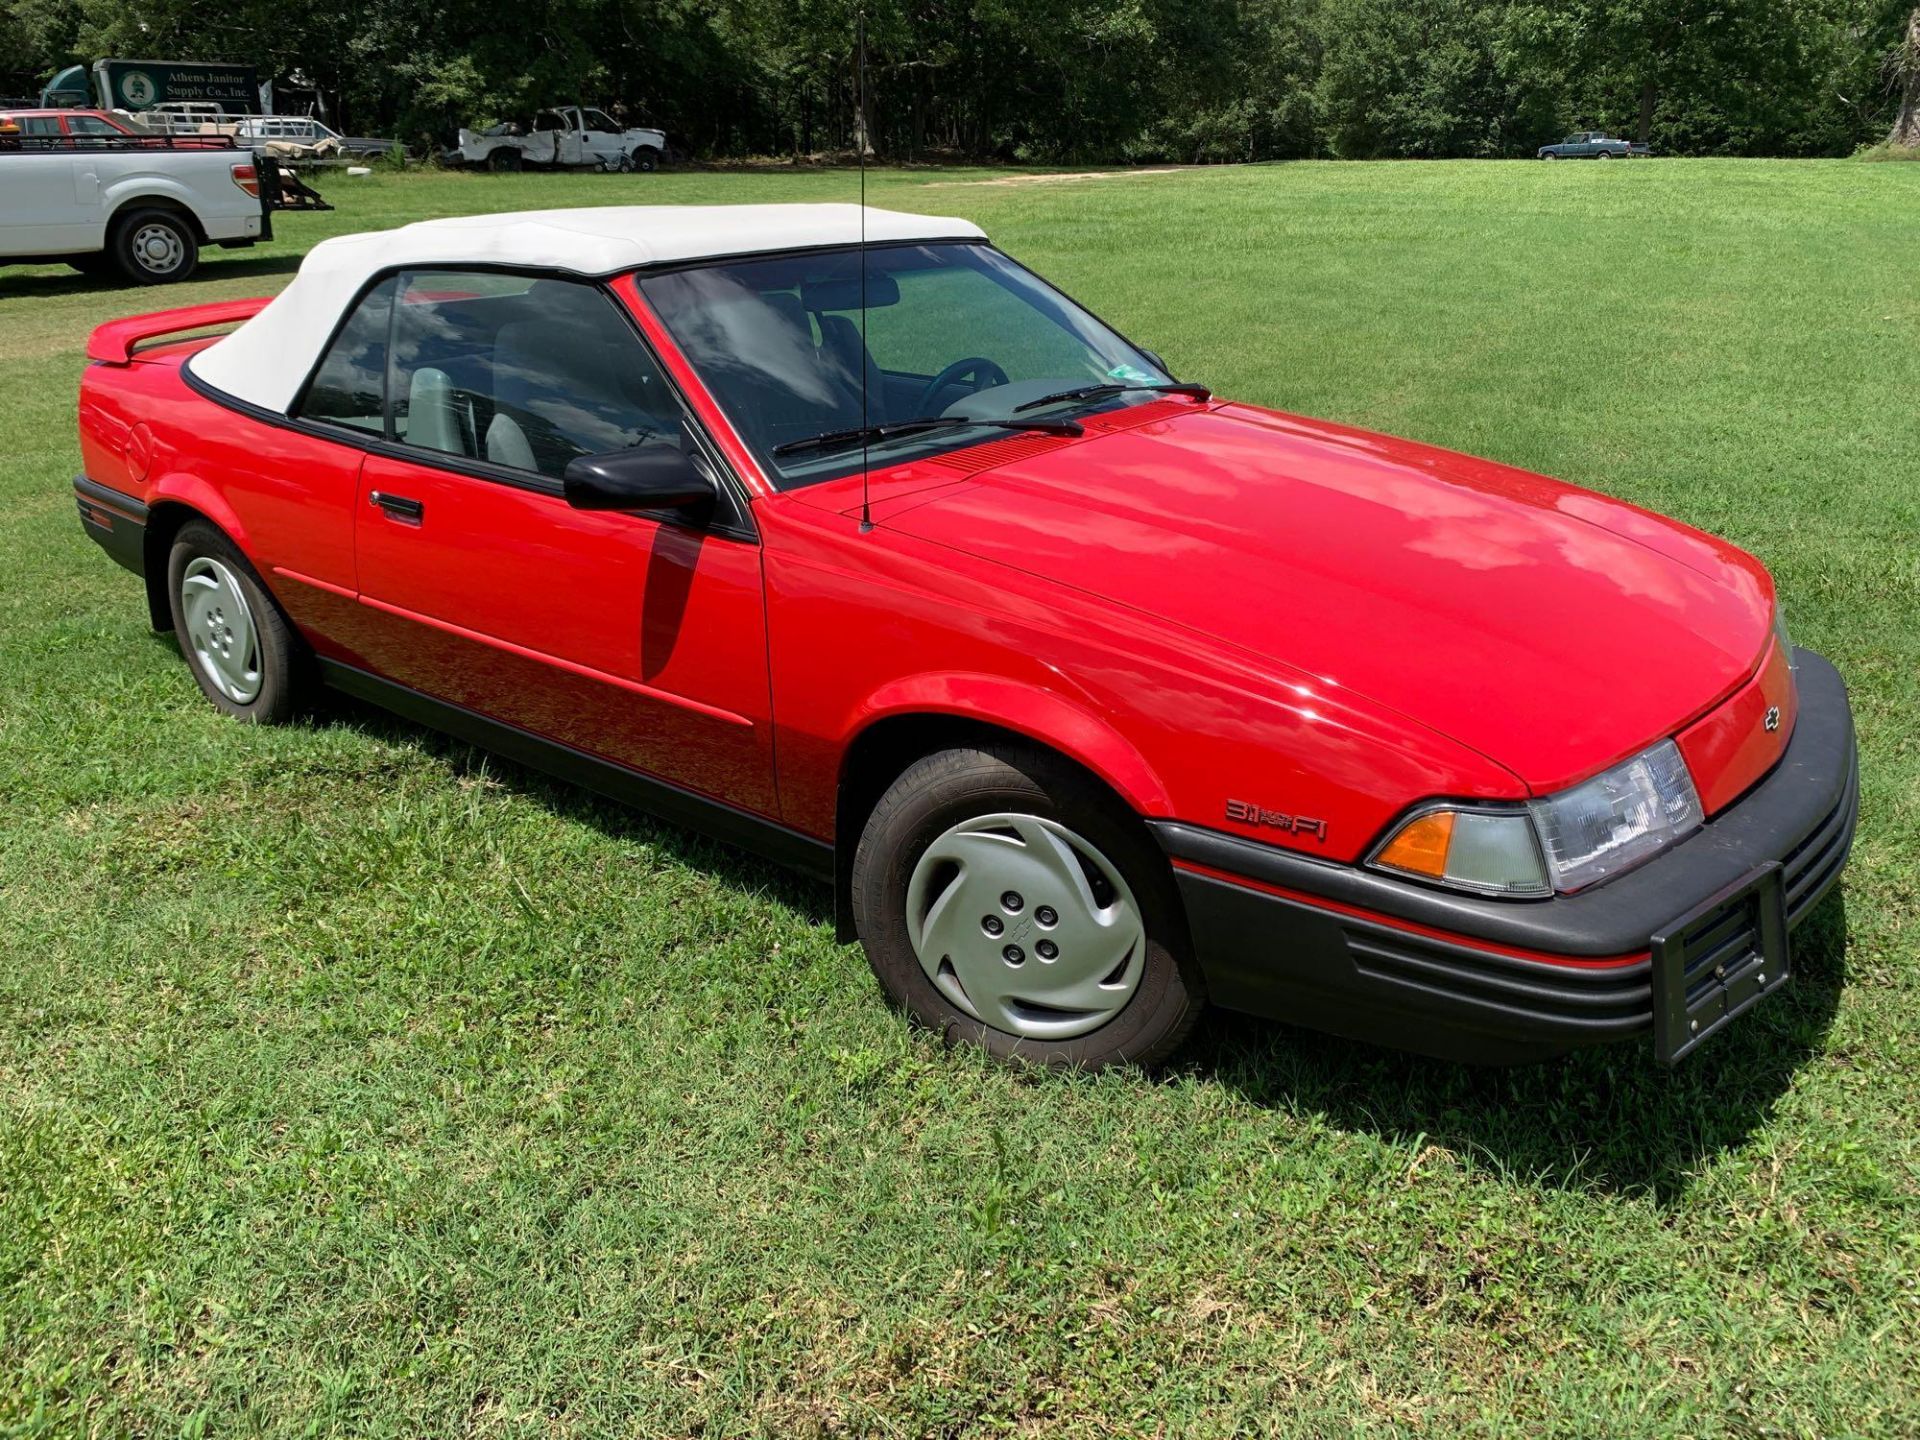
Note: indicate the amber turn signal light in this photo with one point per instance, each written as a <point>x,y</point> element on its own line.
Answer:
<point>1421,846</point>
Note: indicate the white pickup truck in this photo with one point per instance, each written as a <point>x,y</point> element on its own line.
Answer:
<point>571,135</point>
<point>140,207</point>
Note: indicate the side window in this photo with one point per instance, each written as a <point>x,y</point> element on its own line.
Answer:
<point>90,125</point>
<point>349,388</point>
<point>600,120</point>
<point>521,372</point>
<point>40,125</point>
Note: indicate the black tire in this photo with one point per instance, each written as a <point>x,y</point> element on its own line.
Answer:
<point>504,160</point>
<point>946,788</point>
<point>646,159</point>
<point>153,246</point>
<point>285,669</point>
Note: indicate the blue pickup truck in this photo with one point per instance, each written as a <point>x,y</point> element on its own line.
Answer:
<point>1591,145</point>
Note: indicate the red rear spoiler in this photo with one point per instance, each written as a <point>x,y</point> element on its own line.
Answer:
<point>114,342</point>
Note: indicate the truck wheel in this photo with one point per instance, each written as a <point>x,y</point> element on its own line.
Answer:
<point>1605,155</point>
<point>153,247</point>
<point>1006,901</point>
<point>243,652</point>
<point>504,159</point>
<point>646,159</point>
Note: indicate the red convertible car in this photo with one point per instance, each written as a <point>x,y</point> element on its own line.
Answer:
<point>1096,697</point>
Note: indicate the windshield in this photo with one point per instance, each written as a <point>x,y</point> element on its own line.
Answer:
<point>953,329</point>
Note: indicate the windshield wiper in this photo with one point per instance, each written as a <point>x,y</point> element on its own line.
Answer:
<point>894,429</point>
<point>1112,387</point>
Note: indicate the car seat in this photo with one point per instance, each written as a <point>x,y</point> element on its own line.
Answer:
<point>843,349</point>
<point>433,423</point>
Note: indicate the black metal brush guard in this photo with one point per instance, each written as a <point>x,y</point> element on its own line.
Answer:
<point>1715,961</point>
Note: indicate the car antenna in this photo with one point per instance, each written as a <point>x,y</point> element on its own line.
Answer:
<point>860,143</point>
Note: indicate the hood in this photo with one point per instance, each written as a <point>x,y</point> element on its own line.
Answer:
<point>1550,629</point>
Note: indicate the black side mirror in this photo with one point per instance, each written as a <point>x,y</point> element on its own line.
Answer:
<point>660,476</point>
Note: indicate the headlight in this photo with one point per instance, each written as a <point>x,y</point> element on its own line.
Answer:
<point>1564,843</point>
<point>1617,819</point>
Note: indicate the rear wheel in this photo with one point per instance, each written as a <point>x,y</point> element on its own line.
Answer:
<point>505,158</point>
<point>1605,155</point>
<point>241,649</point>
<point>153,247</point>
<point>1005,900</point>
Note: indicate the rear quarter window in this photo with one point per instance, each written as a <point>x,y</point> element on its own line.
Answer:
<point>349,388</point>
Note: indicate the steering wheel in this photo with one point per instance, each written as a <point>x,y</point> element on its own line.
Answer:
<point>982,372</point>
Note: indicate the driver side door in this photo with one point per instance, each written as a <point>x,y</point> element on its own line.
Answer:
<point>628,637</point>
<point>599,138</point>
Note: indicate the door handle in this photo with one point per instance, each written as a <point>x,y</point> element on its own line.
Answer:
<point>399,507</point>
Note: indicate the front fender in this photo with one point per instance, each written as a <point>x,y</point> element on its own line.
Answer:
<point>1045,716</point>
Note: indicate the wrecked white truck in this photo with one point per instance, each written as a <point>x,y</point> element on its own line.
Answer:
<point>571,136</point>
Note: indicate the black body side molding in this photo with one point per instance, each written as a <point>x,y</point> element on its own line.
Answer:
<point>723,822</point>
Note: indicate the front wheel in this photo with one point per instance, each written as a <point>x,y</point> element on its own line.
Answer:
<point>241,649</point>
<point>1006,900</point>
<point>646,159</point>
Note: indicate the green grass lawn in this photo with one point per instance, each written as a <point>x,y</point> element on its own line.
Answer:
<point>354,1083</point>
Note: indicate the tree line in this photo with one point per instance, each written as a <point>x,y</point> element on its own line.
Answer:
<point>1108,81</point>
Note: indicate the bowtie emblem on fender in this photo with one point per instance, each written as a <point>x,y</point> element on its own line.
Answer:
<point>1771,721</point>
<point>1248,813</point>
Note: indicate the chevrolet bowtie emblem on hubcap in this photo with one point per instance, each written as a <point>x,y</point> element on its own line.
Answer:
<point>1772,720</point>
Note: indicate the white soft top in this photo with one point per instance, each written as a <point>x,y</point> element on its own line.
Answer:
<point>265,361</point>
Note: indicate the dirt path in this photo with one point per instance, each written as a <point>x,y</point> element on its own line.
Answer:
<point>1078,175</point>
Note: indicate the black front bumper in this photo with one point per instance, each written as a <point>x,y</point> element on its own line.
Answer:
<point>1343,949</point>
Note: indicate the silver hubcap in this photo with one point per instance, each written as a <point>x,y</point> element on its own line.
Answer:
<point>157,248</point>
<point>1026,927</point>
<point>220,629</point>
